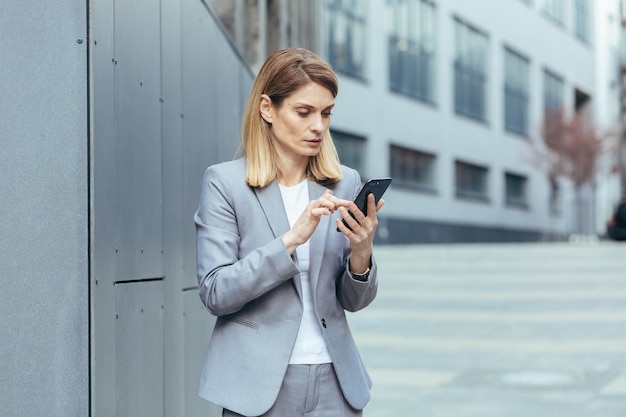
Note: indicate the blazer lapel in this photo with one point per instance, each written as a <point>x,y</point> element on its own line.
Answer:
<point>272,204</point>
<point>317,242</point>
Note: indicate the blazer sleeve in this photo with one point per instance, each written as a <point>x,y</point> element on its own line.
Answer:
<point>226,281</point>
<point>355,295</point>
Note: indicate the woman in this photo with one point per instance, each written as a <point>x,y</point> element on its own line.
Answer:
<point>271,264</point>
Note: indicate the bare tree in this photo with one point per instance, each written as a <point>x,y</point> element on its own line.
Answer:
<point>573,148</point>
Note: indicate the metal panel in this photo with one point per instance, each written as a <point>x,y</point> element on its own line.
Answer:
<point>228,134</point>
<point>138,139</point>
<point>44,360</point>
<point>103,200</point>
<point>200,74</point>
<point>246,79</point>
<point>155,123</point>
<point>216,83</point>
<point>139,349</point>
<point>127,233</point>
<point>173,217</point>
<point>199,79</point>
<point>213,76</point>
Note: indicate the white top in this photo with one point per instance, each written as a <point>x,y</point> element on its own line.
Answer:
<point>310,347</point>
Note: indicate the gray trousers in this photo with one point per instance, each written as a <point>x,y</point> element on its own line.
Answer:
<point>309,391</point>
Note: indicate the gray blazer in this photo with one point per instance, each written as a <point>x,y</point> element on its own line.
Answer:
<point>251,283</point>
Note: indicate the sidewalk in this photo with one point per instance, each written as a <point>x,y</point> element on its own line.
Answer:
<point>497,331</point>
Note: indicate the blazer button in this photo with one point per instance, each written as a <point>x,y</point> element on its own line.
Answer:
<point>323,323</point>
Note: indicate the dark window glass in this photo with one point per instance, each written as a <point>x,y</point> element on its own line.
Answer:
<point>552,91</point>
<point>412,168</point>
<point>554,10</point>
<point>516,91</point>
<point>470,72</point>
<point>516,190</point>
<point>412,48</point>
<point>471,181</point>
<point>351,150</point>
<point>346,45</point>
<point>581,20</point>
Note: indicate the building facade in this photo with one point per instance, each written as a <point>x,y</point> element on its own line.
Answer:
<point>448,98</point>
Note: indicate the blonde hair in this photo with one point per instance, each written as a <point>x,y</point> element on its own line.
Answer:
<point>284,72</point>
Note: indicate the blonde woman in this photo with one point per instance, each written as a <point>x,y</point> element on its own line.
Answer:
<point>275,262</point>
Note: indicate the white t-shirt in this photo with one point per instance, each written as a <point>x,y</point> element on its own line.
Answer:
<point>310,347</point>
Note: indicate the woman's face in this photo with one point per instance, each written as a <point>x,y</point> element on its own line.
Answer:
<point>299,125</point>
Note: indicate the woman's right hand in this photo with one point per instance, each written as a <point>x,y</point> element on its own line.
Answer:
<point>306,224</point>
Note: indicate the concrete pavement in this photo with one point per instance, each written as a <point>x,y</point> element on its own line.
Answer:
<point>502,330</point>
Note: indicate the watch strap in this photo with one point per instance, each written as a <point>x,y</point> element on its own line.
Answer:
<point>363,277</point>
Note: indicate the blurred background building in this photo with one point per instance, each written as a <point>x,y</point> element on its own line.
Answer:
<point>622,87</point>
<point>449,97</point>
<point>112,110</point>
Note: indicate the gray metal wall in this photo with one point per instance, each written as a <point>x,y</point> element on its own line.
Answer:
<point>44,295</point>
<point>168,94</point>
<point>107,127</point>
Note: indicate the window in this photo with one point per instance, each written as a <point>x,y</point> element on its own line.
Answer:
<point>412,48</point>
<point>346,36</point>
<point>554,10</point>
<point>516,88</point>
<point>351,150</point>
<point>581,22</point>
<point>471,181</point>
<point>552,91</point>
<point>412,168</point>
<point>555,198</point>
<point>581,99</point>
<point>470,72</point>
<point>516,190</point>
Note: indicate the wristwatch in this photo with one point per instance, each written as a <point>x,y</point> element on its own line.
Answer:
<point>362,276</point>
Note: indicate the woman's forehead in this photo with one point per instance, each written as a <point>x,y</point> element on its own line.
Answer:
<point>312,94</point>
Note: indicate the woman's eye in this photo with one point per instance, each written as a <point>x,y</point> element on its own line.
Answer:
<point>304,114</point>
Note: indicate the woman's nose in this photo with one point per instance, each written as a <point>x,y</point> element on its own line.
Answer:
<point>317,124</point>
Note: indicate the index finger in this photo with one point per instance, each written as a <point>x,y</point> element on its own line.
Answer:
<point>339,202</point>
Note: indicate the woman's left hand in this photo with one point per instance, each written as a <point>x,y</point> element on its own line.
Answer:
<point>362,234</point>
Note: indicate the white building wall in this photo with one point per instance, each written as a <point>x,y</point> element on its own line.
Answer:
<point>607,44</point>
<point>368,108</point>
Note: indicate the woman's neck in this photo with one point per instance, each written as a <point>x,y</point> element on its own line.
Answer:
<point>291,174</point>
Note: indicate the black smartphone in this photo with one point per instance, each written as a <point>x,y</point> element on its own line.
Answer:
<point>376,186</point>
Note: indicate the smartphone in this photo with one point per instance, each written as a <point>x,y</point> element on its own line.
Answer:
<point>376,186</point>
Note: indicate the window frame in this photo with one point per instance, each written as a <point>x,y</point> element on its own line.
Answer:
<point>466,193</point>
<point>471,71</point>
<point>582,23</point>
<point>425,161</point>
<point>554,10</point>
<point>512,201</point>
<point>411,55</point>
<point>551,83</point>
<point>356,20</point>
<point>519,94</point>
<point>353,142</point>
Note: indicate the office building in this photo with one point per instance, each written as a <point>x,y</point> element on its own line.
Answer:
<point>448,97</point>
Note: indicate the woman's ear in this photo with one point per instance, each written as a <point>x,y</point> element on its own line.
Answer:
<point>265,108</point>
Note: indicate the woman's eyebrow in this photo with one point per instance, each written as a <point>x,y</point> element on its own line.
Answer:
<point>310,106</point>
